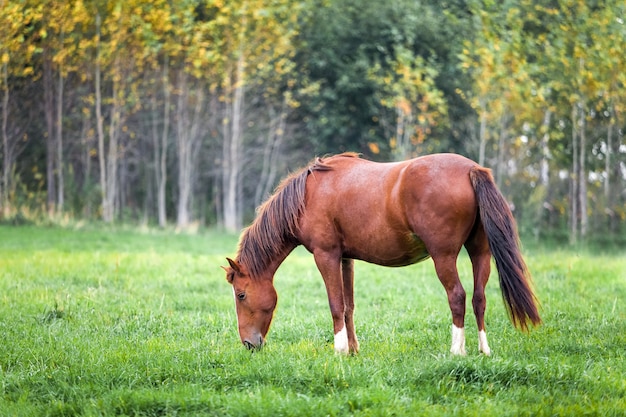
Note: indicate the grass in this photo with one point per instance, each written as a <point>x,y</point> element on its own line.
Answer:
<point>97,322</point>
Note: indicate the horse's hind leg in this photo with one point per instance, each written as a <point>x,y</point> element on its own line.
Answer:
<point>347,267</point>
<point>449,277</point>
<point>478,250</point>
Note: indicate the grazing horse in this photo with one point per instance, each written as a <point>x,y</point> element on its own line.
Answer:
<point>343,208</point>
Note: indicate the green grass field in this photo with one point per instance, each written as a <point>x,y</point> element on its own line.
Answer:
<point>138,323</point>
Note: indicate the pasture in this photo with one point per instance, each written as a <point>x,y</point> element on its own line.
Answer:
<point>142,323</point>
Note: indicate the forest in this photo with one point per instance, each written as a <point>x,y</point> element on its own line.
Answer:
<point>187,113</point>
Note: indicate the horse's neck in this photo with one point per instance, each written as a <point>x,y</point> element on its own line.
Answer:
<point>270,265</point>
<point>278,260</point>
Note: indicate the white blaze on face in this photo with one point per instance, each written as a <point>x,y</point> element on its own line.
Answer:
<point>341,341</point>
<point>483,346</point>
<point>236,315</point>
<point>458,341</point>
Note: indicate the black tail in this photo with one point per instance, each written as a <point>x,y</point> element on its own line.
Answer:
<point>501,231</point>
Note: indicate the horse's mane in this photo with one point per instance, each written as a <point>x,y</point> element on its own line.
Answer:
<point>277,220</point>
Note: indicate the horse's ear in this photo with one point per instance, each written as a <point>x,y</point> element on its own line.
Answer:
<point>234,265</point>
<point>230,274</point>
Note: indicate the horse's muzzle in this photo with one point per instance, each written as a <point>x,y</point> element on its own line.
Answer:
<point>254,346</point>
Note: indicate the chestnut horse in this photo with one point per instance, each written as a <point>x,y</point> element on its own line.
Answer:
<point>343,208</point>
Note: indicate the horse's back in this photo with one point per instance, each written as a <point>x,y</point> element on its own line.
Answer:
<point>389,213</point>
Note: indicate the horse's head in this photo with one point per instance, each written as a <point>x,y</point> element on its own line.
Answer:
<point>255,300</point>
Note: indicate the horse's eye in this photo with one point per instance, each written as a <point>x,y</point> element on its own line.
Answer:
<point>241,296</point>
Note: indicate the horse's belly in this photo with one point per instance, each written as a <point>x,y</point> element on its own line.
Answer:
<point>389,250</point>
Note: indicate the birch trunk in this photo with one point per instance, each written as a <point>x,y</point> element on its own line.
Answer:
<point>187,145</point>
<point>100,126</point>
<point>574,180</point>
<point>544,174</point>
<point>582,177</point>
<point>59,143</point>
<point>501,146</point>
<point>271,152</point>
<point>232,154</point>
<point>607,160</point>
<point>112,157</point>
<point>4,186</point>
<point>159,145</point>
<point>164,141</point>
<point>50,136</point>
<point>544,168</point>
<point>183,151</point>
<point>107,159</point>
<point>483,132</point>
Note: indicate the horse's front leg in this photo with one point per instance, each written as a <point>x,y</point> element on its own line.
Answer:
<point>329,265</point>
<point>347,268</point>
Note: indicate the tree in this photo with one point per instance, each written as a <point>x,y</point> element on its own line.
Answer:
<point>158,53</point>
<point>190,111</point>
<point>117,50</point>
<point>255,34</point>
<point>581,65</point>
<point>409,90</point>
<point>17,47</point>
<point>58,43</point>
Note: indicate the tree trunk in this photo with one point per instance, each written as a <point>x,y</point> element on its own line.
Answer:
<point>162,179</point>
<point>183,151</point>
<point>112,156</point>
<point>100,128</point>
<point>582,177</point>
<point>483,132</point>
<point>187,145</point>
<point>574,180</point>
<point>544,165</point>
<point>271,153</point>
<point>607,159</point>
<point>48,92</point>
<point>543,187</point>
<point>4,186</point>
<point>232,153</point>
<point>159,144</point>
<point>618,178</point>
<point>501,151</point>
<point>12,145</point>
<point>59,142</point>
<point>108,160</point>
<point>87,184</point>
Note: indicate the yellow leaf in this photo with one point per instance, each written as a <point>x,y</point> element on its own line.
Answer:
<point>374,148</point>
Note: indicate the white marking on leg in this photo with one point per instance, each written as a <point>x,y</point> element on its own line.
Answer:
<point>458,341</point>
<point>483,346</point>
<point>341,341</point>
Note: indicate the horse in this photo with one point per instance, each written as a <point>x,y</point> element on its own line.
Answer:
<point>344,207</point>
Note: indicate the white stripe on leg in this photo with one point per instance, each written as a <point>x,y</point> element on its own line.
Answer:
<point>458,341</point>
<point>483,346</point>
<point>341,341</point>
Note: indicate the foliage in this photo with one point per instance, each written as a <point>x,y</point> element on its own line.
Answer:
<point>98,321</point>
<point>369,66</point>
<point>191,111</point>
<point>543,78</point>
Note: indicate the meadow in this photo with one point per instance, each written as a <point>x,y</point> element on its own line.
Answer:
<point>100,322</point>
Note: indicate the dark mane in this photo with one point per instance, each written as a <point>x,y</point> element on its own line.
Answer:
<point>277,219</point>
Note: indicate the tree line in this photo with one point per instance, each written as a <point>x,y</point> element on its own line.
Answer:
<point>188,112</point>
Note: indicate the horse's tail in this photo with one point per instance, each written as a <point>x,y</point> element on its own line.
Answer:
<point>501,231</point>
